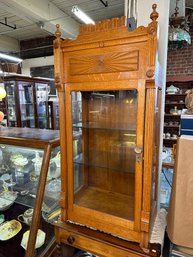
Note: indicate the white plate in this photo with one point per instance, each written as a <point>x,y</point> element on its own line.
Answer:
<point>7,199</point>
<point>9,229</point>
<point>39,240</point>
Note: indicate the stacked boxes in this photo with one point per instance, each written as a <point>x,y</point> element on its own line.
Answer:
<point>186,125</point>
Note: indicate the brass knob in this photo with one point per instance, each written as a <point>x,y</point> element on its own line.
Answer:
<point>70,240</point>
<point>138,150</point>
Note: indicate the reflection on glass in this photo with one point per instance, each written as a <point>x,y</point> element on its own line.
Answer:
<point>11,114</point>
<point>41,98</point>
<point>104,137</point>
<point>26,104</point>
<point>20,169</point>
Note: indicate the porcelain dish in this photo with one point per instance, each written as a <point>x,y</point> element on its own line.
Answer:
<point>7,199</point>
<point>9,229</point>
<point>39,240</point>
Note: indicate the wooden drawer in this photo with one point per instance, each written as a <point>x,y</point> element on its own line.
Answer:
<point>96,246</point>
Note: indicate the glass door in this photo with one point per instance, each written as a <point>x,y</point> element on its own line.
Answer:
<point>26,104</point>
<point>41,100</point>
<point>11,104</point>
<point>106,141</point>
<point>104,157</point>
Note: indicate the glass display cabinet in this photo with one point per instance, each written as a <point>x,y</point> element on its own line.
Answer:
<point>26,101</point>
<point>29,178</point>
<point>109,131</point>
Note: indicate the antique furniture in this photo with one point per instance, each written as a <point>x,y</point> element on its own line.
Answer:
<point>108,107</point>
<point>26,101</point>
<point>30,170</point>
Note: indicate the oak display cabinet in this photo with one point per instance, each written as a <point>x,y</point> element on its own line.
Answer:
<point>109,118</point>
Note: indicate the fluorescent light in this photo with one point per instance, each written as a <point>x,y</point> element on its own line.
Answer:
<point>81,15</point>
<point>10,58</point>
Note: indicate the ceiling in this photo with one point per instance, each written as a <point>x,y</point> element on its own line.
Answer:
<point>25,19</point>
<point>32,19</point>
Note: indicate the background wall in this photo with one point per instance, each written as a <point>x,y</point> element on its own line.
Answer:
<point>180,61</point>
<point>36,62</point>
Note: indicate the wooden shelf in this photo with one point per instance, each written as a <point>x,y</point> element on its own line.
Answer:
<point>108,202</point>
<point>167,165</point>
<point>171,95</point>
<point>172,115</point>
<point>175,103</point>
<point>171,126</point>
<point>168,139</point>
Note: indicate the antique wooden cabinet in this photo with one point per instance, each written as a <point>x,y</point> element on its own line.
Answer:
<point>26,101</point>
<point>108,114</point>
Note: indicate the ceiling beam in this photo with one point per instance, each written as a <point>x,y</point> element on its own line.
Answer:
<point>44,13</point>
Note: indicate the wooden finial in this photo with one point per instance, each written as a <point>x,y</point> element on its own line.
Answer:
<point>154,15</point>
<point>58,32</point>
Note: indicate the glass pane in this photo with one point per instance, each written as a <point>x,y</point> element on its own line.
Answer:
<point>104,137</point>
<point>20,171</point>
<point>10,101</point>
<point>41,98</point>
<point>26,105</point>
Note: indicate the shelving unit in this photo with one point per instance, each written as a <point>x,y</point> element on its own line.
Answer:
<point>172,121</point>
<point>172,127</point>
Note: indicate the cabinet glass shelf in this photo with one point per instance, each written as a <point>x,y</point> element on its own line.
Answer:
<point>25,103</point>
<point>105,126</point>
<point>79,161</point>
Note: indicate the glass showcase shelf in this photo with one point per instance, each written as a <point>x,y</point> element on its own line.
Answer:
<point>106,126</point>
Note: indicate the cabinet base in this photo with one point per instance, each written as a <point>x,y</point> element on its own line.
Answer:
<point>101,244</point>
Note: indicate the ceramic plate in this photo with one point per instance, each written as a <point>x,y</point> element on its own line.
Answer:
<point>7,199</point>
<point>9,229</point>
<point>39,240</point>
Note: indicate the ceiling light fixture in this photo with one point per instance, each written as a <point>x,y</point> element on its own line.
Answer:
<point>10,58</point>
<point>81,15</point>
<point>179,36</point>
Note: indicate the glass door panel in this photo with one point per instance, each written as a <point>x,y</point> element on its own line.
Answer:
<point>26,99</point>
<point>41,99</point>
<point>11,106</point>
<point>104,137</point>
